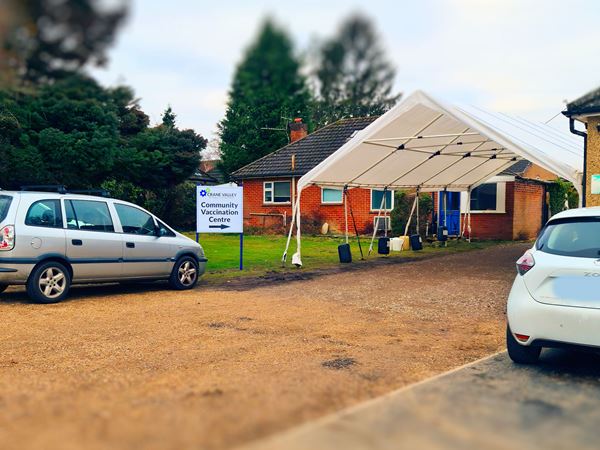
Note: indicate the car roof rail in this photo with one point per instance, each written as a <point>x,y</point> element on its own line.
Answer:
<point>60,188</point>
<point>96,192</point>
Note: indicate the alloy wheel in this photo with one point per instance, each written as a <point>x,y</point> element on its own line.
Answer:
<point>187,273</point>
<point>52,282</point>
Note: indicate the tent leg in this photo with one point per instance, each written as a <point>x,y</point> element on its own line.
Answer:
<point>345,195</point>
<point>289,238</point>
<point>297,257</point>
<point>412,210</point>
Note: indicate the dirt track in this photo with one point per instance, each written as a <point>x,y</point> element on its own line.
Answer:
<point>144,367</point>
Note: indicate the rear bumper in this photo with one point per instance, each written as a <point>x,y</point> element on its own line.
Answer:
<point>545,323</point>
<point>15,273</point>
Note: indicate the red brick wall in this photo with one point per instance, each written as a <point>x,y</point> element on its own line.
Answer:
<point>528,203</point>
<point>310,203</point>
<point>492,225</point>
<point>522,219</point>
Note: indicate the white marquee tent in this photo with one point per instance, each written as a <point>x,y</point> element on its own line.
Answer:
<point>428,145</point>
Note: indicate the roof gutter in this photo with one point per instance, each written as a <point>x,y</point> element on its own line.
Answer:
<point>584,135</point>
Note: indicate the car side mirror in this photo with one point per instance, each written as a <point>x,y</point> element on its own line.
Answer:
<point>158,231</point>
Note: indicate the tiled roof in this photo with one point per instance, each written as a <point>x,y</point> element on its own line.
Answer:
<point>517,169</point>
<point>309,151</point>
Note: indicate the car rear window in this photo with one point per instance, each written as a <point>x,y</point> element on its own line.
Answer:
<point>578,237</point>
<point>5,201</point>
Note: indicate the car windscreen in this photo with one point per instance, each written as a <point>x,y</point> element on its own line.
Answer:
<point>576,236</point>
<point>5,201</point>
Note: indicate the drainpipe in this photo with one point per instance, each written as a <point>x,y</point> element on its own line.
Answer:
<point>584,135</point>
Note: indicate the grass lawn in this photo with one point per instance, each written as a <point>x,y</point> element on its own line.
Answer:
<point>262,254</point>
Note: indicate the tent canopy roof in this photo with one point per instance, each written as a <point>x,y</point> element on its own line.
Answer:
<point>426,144</point>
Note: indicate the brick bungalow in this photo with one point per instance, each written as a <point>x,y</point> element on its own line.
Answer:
<point>270,182</point>
<point>512,205</point>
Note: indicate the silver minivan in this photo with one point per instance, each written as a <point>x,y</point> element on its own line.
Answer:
<point>50,240</point>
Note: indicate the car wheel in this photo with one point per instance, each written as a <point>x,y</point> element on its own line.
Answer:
<point>521,354</point>
<point>185,274</point>
<point>3,287</point>
<point>49,283</point>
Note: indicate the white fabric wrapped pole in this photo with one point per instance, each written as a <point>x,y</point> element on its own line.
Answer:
<point>297,257</point>
<point>412,210</point>
<point>289,238</point>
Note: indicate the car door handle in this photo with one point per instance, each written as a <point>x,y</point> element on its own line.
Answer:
<point>130,245</point>
<point>77,242</point>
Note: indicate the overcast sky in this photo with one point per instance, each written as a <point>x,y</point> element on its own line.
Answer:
<point>518,56</point>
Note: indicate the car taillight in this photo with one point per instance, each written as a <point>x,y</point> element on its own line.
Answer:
<point>525,263</point>
<point>7,234</point>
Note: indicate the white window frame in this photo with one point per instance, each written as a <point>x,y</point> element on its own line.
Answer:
<point>500,200</point>
<point>272,190</point>
<point>387,207</point>
<point>386,219</point>
<point>323,202</point>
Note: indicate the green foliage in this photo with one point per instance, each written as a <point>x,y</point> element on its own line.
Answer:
<point>353,76</point>
<point>559,191</point>
<point>76,133</point>
<point>48,39</point>
<point>267,86</point>
<point>403,202</point>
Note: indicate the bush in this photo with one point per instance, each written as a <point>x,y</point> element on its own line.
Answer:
<point>403,202</point>
<point>177,206</point>
<point>559,190</point>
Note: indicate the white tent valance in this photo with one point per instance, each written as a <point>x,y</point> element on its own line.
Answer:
<point>425,144</point>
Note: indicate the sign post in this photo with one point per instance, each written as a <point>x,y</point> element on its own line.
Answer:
<point>220,209</point>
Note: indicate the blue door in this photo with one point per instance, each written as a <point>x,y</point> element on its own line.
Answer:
<point>451,216</point>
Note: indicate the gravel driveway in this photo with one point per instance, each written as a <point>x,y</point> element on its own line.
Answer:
<point>140,366</point>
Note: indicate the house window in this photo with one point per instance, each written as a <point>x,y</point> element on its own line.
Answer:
<point>377,197</point>
<point>331,196</point>
<point>277,192</point>
<point>489,197</point>
<point>382,223</point>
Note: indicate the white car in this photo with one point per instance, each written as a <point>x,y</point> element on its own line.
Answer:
<point>555,299</point>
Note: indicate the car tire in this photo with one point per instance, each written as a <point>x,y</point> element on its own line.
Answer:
<point>3,287</point>
<point>521,354</point>
<point>185,274</point>
<point>49,283</point>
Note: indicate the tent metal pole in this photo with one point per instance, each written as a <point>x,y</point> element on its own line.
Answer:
<point>476,167</point>
<point>469,214</point>
<point>289,238</point>
<point>426,136</point>
<point>346,212</point>
<point>468,154</point>
<point>437,153</point>
<point>381,207</point>
<point>395,149</point>
<point>418,232</point>
<point>505,166</point>
<point>297,257</point>
<point>412,210</point>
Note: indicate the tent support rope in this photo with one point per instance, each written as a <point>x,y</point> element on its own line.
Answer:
<point>362,256</point>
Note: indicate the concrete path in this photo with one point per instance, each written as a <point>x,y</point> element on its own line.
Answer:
<point>491,404</point>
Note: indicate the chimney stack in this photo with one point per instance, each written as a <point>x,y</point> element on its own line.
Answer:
<point>298,129</point>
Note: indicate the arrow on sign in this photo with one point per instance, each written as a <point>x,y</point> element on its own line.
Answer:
<point>218,226</point>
